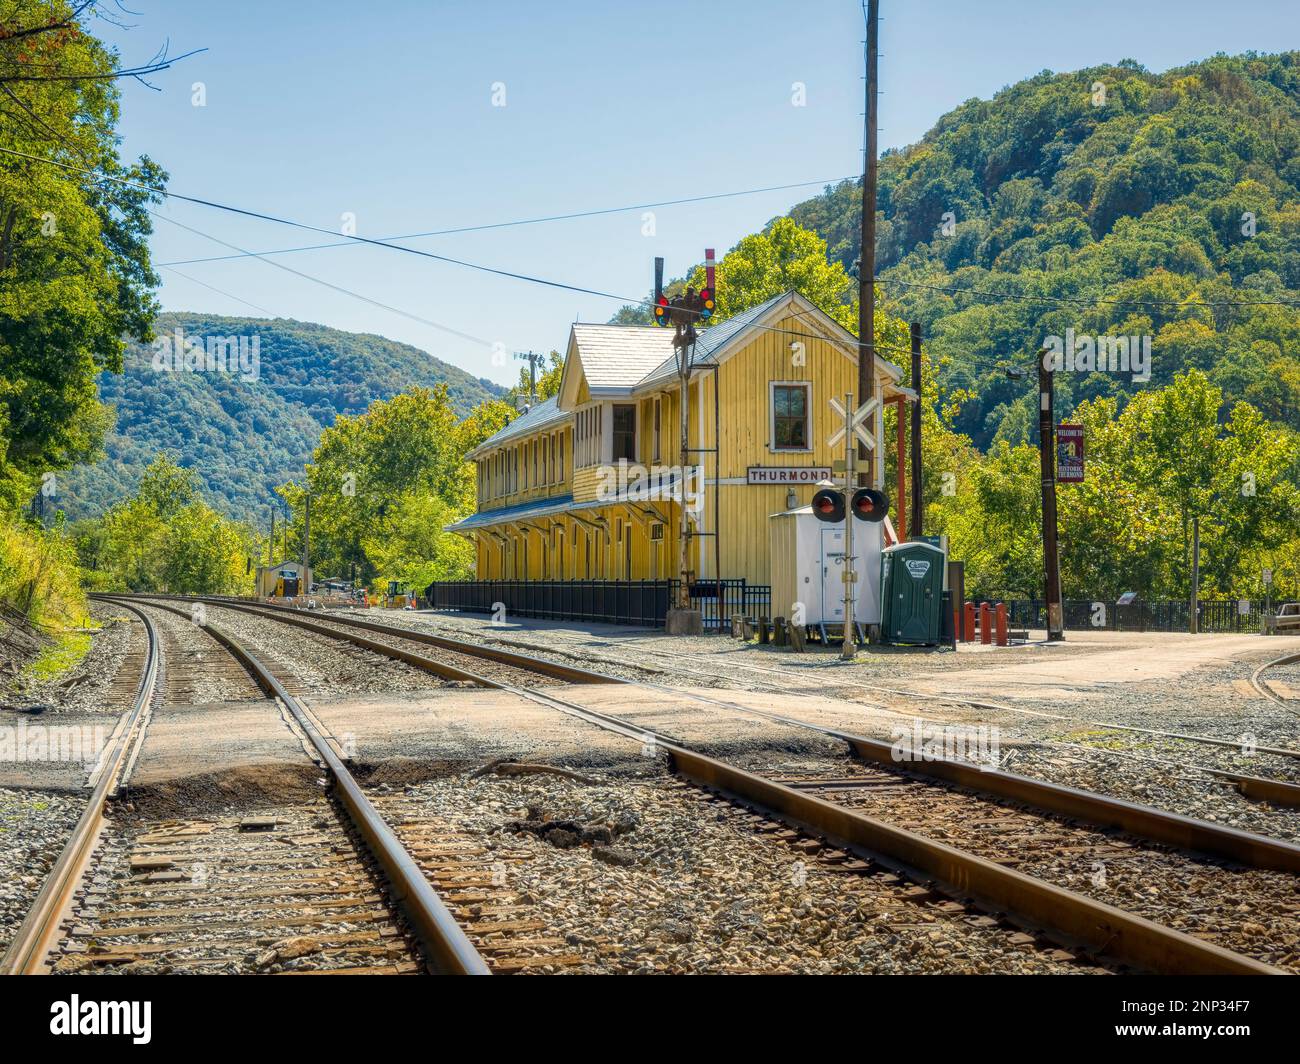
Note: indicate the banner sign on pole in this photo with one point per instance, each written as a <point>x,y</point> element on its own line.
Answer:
<point>1069,454</point>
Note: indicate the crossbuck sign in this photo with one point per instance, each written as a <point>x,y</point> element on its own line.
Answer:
<point>859,423</point>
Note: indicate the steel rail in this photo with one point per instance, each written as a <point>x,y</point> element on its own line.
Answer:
<point>555,669</point>
<point>1071,917</point>
<point>32,943</point>
<point>444,941</point>
<point>1142,821</point>
<point>1257,682</point>
<point>1207,740</point>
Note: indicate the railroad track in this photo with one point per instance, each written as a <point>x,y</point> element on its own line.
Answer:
<point>1286,701</point>
<point>1079,921</point>
<point>1258,788</point>
<point>324,881</point>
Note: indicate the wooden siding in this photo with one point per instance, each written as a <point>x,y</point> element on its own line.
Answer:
<point>625,550</point>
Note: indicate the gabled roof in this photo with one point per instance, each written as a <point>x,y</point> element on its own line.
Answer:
<point>626,360</point>
<point>716,342</point>
<point>542,416</point>
<point>619,356</point>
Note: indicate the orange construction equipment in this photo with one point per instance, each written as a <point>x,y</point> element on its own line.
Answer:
<point>986,624</point>
<point>1001,622</point>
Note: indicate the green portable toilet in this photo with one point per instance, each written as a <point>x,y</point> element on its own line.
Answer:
<point>911,593</point>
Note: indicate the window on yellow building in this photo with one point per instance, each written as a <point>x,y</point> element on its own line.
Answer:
<point>658,432</point>
<point>624,432</point>
<point>790,408</point>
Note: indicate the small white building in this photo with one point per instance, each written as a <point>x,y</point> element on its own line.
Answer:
<point>808,564</point>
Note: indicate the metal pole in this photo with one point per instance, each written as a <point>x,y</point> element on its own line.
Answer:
<point>918,504</point>
<point>305,586</point>
<point>867,258</point>
<point>1193,618</point>
<point>683,371</point>
<point>849,648</point>
<point>717,493</point>
<point>1047,464</point>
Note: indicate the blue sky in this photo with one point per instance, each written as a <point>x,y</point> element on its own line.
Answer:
<point>385,111</point>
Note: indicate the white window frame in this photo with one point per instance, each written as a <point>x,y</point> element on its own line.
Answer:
<point>772,386</point>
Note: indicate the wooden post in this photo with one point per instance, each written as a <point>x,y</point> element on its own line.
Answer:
<point>867,257</point>
<point>986,624</point>
<point>1047,469</point>
<point>900,405</point>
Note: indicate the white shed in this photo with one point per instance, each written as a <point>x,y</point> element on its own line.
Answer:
<point>807,563</point>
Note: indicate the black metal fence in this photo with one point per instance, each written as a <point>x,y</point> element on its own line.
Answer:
<point>1215,615</point>
<point>636,602</point>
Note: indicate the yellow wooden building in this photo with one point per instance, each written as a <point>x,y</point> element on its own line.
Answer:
<point>587,485</point>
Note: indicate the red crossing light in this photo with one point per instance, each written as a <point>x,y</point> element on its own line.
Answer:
<point>828,505</point>
<point>869,504</point>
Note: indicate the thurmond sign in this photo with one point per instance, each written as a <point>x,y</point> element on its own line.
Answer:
<point>788,474</point>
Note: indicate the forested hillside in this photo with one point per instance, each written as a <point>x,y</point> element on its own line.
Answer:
<point>1110,201</point>
<point>248,429</point>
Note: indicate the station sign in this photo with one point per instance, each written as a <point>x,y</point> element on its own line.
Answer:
<point>788,474</point>
<point>1069,454</point>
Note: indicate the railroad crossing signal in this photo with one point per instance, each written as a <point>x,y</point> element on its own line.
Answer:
<point>858,422</point>
<point>867,504</point>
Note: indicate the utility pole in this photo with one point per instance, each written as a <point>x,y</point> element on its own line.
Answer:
<point>1047,465</point>
<point>1193,615</point>
<point>270,542</point>
<point>867,257</point>
<point>532,358</point>
<point>849,648</point>
<point>917,503</point>
<point>306,543</point>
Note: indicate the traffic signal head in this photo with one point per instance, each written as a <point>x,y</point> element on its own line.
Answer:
<point>662,317</point>
<point>706,303</point>
<point>869,504</point>
<point>828,505</point>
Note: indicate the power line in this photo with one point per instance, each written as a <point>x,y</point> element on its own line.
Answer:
<point>211,287</point>
<point>520,276</point>
<point>357,239</point>
<point>327,284</point>
<point>523,221</point>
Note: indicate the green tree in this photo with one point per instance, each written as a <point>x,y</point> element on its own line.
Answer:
<point>75,277</point>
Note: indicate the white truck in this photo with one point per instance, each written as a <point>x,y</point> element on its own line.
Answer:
<point>1287,620</point>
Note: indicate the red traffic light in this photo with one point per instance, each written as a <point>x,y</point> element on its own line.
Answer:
<point>828,505</point>
<point>706,303</point>
<point>870,505</point>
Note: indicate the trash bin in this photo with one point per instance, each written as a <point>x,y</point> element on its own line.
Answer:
<point>911,593</point>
